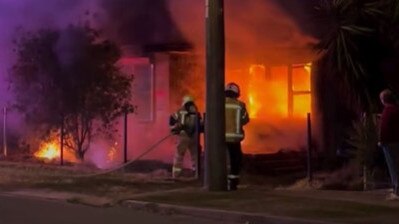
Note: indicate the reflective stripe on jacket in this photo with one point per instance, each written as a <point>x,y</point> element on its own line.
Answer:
<point>185,120</point>
<point>236,118</point>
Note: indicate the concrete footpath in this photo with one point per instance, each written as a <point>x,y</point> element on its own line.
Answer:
<point>222,216</point>
<point>246,206</point>
<point>215,214</point>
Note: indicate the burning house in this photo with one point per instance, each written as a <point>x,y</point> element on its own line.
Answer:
<point>267,55</point>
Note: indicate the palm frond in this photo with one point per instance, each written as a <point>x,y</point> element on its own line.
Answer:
<point>396,11</point>
<point>351,24</point>
<point>373,8</point>
<point>357,30</point>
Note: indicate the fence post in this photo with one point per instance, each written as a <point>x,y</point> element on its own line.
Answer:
<point>125,137</point>
<point>309,153</point>
<point>5,150</point>
<point>62,143</point>
<point>198,146</point>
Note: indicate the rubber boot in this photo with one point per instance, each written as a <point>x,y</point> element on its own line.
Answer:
<point>232,184</point>
<point>176,172</point>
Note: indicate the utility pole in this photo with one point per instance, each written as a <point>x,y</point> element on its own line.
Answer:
<point>215,146</point>
<point>5,132</point>
<point>198,165</point>
<point>309,154</point>
<point>125,137</point>
<point>62,142</point>
<point>290,91</point>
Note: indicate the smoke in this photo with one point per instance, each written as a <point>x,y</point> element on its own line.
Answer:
<point>138,22</point>
<point>303,13</point>
<point>255,30</point>
<point>141,22</point>
<point>31,15</point>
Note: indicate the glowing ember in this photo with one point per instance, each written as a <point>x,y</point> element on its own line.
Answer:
<point>112,153</point>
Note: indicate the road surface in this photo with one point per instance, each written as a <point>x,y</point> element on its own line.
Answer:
<point>18,210</point>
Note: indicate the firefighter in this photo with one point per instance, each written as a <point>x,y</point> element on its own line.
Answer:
<point>184,123</point>
<point>236,118</point>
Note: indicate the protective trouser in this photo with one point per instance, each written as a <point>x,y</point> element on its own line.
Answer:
<point>185,143</point>
<point>391,152</point>
<point>235,154</point>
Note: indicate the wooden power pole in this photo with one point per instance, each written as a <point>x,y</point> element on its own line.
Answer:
<point>215,150</point>
<point>5,150</point>
<point>125,120</point>
<point>62,135</point>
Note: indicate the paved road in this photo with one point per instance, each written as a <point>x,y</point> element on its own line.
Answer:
<point>17,210</point>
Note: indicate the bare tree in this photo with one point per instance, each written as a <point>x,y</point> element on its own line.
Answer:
<point>70,78</point>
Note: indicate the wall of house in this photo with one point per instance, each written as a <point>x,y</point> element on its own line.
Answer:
<point>150,95</point>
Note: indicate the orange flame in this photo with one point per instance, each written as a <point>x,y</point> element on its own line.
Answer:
<point>254,92</point>
<point>265,90</point>
<point>308,67</point>
<point>301,83</point>
<point>268,96</point>
<point>50,151</point>
<point>112,153</point>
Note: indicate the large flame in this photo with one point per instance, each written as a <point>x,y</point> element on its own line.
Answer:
<point>48,151</point>
<point>267,94</point>
<point>255,89</point>
<point>265,90</point>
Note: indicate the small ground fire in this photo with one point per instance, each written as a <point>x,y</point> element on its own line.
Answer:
<point>49,151</point>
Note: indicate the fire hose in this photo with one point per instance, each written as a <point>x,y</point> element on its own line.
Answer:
<point>147,150</point>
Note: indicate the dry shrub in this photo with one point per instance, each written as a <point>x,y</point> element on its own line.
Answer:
<point>349,177</point>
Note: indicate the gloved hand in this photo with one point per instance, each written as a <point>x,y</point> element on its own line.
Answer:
<point>177,129</point>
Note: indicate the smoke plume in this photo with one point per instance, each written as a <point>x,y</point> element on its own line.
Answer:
<point>141,22</point>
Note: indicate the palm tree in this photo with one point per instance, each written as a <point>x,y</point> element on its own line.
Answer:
<point>359,55</point>
<point>348,79</point>
<point>347,44</point>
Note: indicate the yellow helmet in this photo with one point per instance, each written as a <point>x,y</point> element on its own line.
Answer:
<point>187,99</point>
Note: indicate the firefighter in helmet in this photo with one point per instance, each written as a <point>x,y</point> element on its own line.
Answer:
<point>236,118</point>
<point>184,123</point>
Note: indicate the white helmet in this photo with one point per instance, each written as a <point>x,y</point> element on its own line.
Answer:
<point>187,99</point>
<point>233,87</point>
